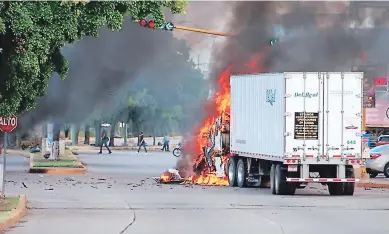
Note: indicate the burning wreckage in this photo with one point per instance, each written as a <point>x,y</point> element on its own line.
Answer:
<point>210,165</point>
<point>211,147</point>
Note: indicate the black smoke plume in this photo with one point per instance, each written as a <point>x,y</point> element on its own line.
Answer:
<point>103,71</point>
<point>306,46</point>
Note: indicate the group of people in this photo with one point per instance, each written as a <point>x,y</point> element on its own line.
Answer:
<point>141,140</point>
<point>142,143</point>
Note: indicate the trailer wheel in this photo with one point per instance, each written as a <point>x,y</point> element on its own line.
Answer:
<point>232,171</point>
<point>272,179</point>
<point>241,174</point>
<point>348,186</point>
<point>335,189</point>
<point>281,186</point>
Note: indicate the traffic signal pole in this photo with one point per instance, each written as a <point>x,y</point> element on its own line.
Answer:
<point>202,31</point>
<point>170,26</point>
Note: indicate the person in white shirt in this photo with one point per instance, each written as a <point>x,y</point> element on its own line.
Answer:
<point>165,143</point>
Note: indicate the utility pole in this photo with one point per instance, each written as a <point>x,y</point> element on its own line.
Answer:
<point>125,134</point>
<point>5,144</point>
<point>198,60</point>
<point>364,60</point>
<point>73,134</point>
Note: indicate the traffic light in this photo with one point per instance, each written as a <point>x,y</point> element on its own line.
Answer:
<point>273,42</point>
<point>168,26</point>
<point>147,23</point>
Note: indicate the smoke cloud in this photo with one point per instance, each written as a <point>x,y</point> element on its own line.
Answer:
<point>206,15</point>
<point>314,36</point>
<point>104,70</point>
<point>307,44</point>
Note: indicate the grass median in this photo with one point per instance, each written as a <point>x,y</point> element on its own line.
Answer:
<point>68,160</point>
<point>7,205</point>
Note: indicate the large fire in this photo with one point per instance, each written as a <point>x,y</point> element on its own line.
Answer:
<point>204,168</point>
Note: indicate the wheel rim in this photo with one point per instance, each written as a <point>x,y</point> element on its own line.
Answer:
<point>231,172</point>
<point>387,171</point>
<point>240,172</point>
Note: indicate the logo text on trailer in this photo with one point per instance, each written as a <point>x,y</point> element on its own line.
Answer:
<point>306,94</point>
<point>271,96</point>
<point>353,127</point>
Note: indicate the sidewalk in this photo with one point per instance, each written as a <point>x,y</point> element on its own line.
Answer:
<point>374,183</point>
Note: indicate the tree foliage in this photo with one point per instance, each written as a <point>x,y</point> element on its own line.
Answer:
<point>166,96</point>
<point>33,33</point>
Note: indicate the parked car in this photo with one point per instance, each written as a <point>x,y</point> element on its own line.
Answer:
<point>379,161</point>
<point>382,140</point>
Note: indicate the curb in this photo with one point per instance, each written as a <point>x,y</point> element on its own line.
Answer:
<point>120,149</point>
<point>16,215</point>
<point>58,170</point>
<point>372,185</point>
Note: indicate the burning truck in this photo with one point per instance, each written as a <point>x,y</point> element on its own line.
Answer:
<point>279,129</point>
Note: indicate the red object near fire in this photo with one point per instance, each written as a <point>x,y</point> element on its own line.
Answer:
<point>8,124</point>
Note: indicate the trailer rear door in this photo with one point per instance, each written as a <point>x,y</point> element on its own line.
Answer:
<point>343,117</point>
<point>303,114</point>
<point>323,115</point>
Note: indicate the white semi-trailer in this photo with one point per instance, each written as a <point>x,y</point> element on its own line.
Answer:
<point>294,128</point>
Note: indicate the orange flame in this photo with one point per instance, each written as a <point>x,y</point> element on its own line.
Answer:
<point>220,108</point>
<point>221,103</point>
<point>166,177</point>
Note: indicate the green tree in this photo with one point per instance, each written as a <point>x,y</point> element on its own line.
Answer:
<point>33,33</point>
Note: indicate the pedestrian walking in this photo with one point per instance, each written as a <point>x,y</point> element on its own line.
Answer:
<point>142,142</point>
<point>165,143</point>
<point>104,141</point>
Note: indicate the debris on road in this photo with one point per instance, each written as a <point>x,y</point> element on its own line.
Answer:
<point>69,179</point>
<point>171,176</point>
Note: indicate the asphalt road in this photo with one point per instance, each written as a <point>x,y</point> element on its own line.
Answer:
<point>119,193</point>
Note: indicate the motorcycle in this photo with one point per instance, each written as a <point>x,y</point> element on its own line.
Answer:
<point>177,151</point>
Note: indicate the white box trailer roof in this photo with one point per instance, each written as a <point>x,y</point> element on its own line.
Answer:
<point>297,115</point>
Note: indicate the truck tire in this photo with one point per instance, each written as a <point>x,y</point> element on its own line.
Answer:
<point>336,189</point>
<point>281,186</point>
<point>232,171</point>
<point>349,187</point>
<point>272,179</point>
<point>241,174</point>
